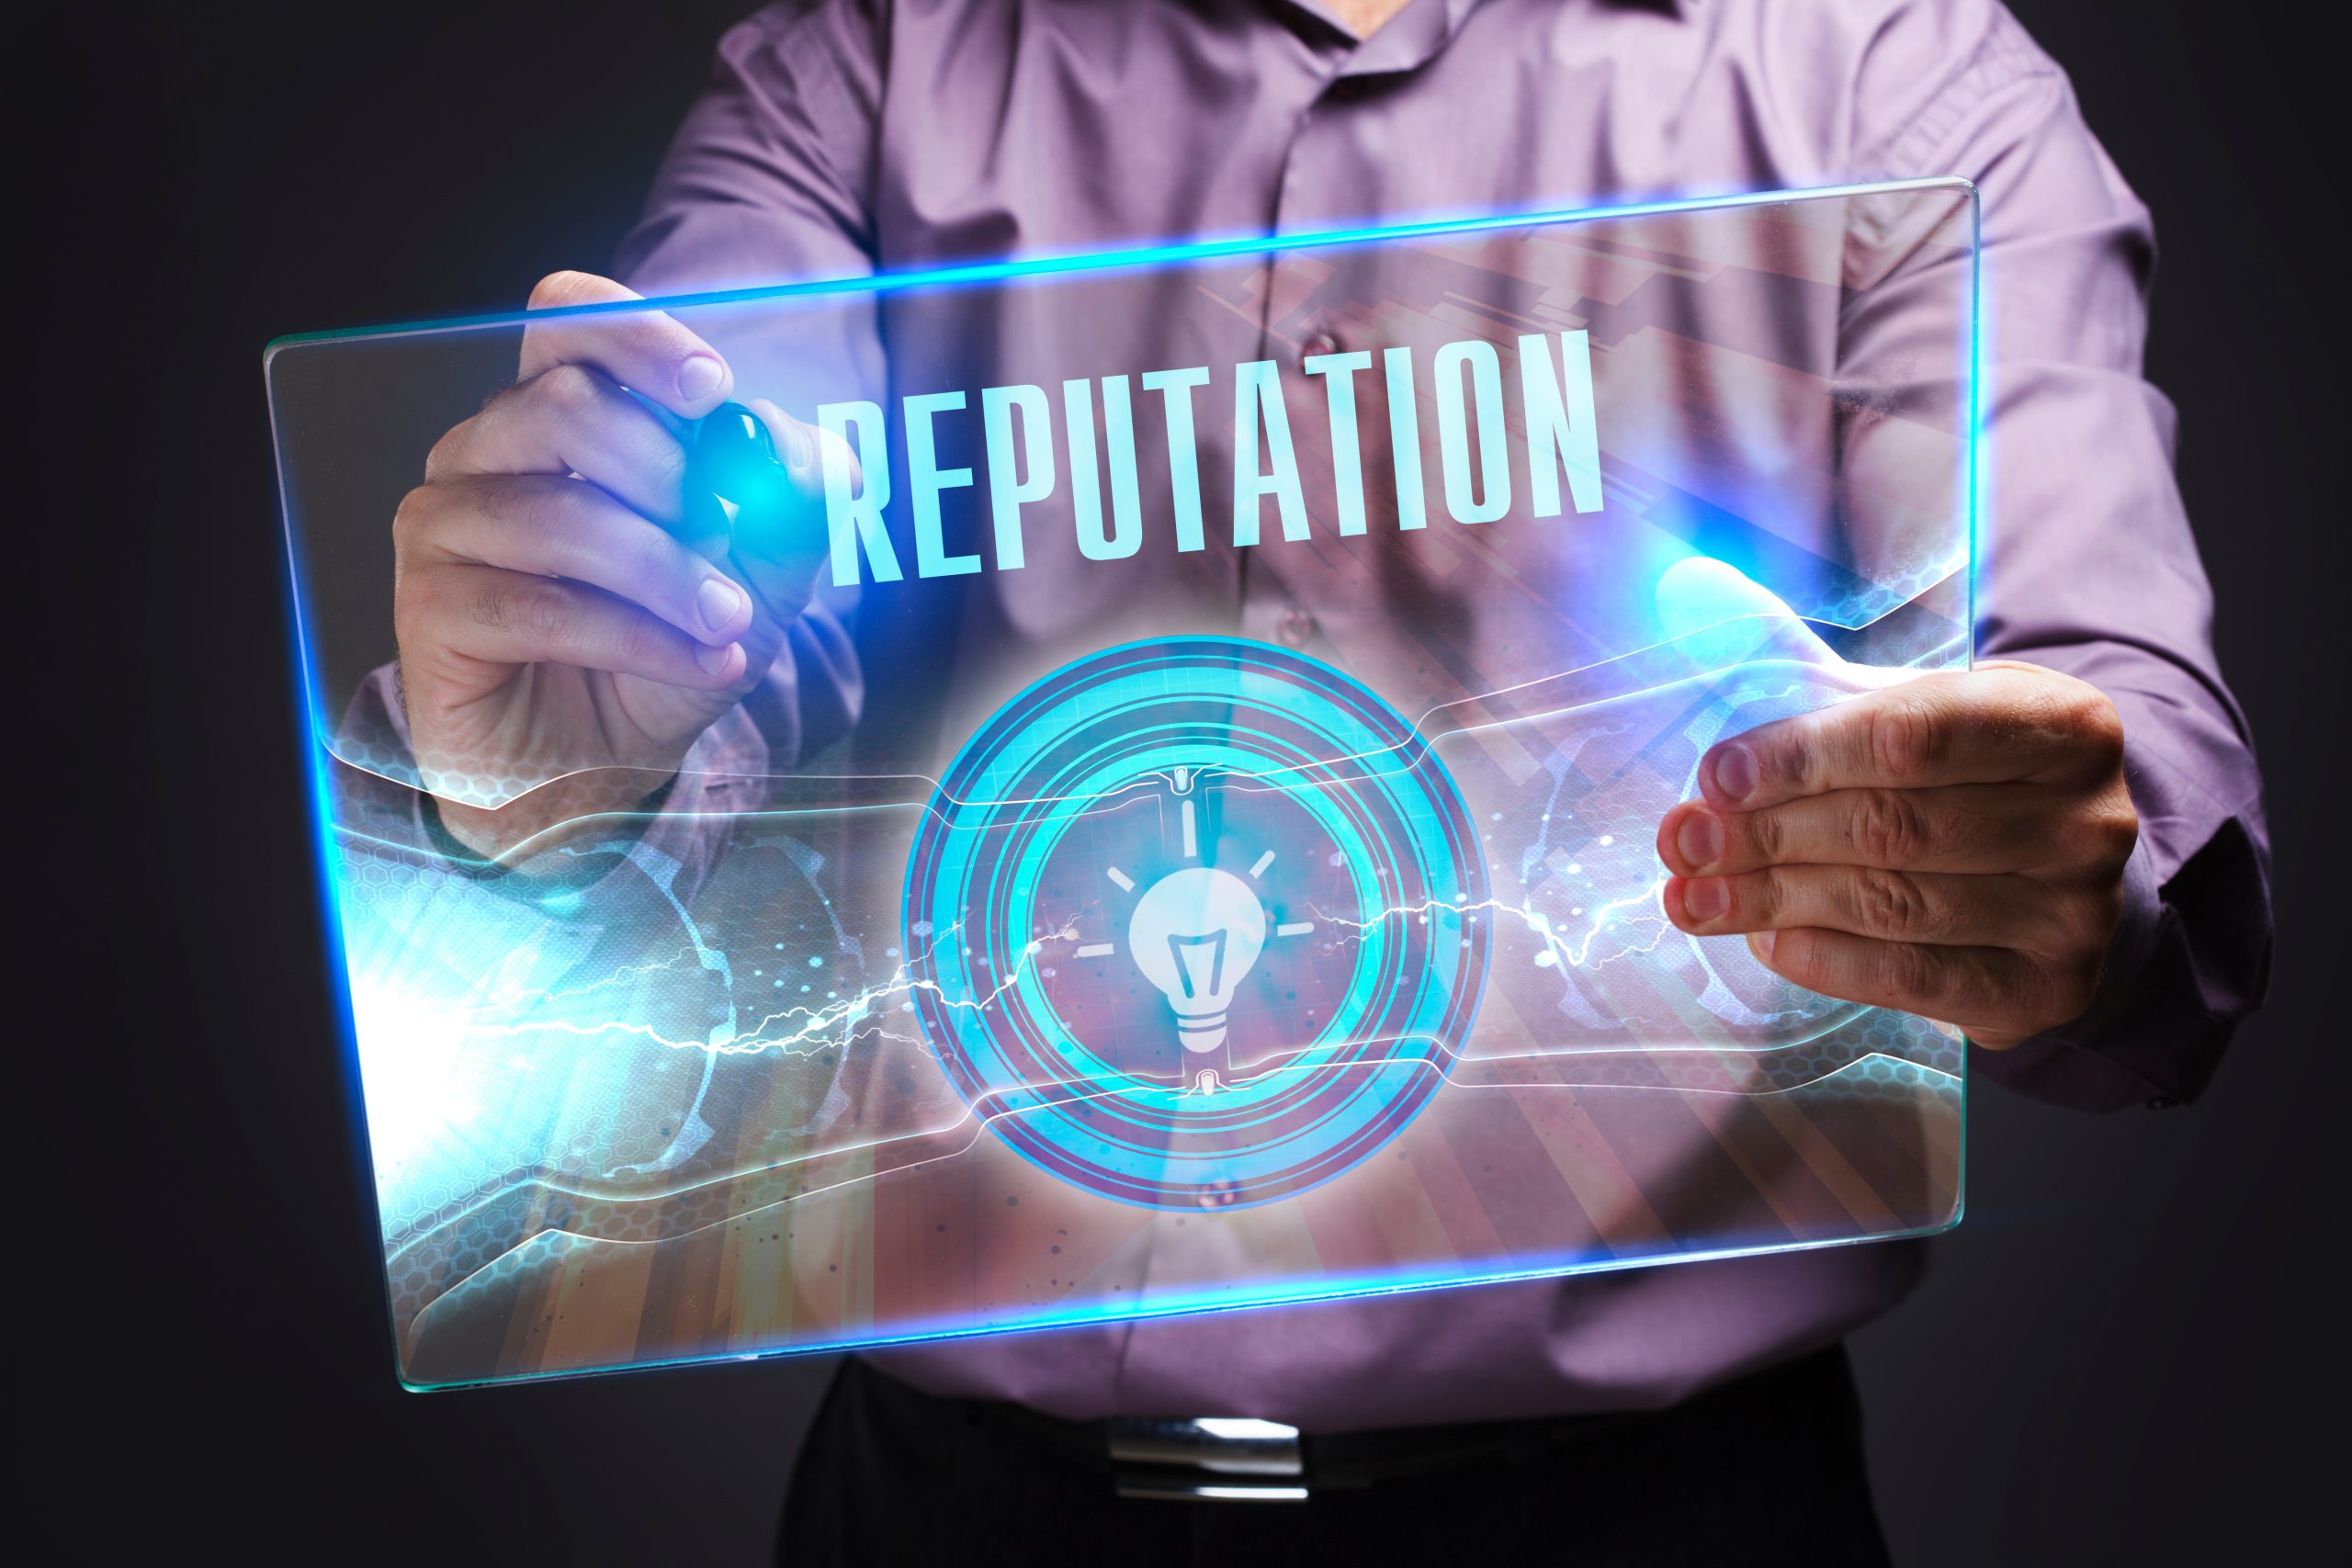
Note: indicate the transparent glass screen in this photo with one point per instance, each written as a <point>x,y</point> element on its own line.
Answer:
<point>1195,845</point>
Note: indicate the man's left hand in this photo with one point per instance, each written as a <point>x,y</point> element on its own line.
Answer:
<point>1951,847</point>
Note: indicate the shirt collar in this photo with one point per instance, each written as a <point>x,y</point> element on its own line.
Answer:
<point>1413,37</point>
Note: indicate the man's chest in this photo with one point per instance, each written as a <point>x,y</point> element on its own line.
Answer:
<point>1092,127</point>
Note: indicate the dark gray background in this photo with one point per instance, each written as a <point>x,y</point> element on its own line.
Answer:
<point>2119,1357</point>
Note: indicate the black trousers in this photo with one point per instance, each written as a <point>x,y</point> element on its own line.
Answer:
<point>1764,1470</point>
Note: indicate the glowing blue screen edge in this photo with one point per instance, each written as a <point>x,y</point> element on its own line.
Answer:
<point>309,684</point>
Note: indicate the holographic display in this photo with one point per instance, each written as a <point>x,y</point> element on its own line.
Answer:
<point>1193,848</point>
<point>1162,813</point>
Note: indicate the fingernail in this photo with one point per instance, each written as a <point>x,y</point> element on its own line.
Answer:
<point>700,377</point>
<point>1735,772</point>
<point>719,603</point>
<point>1700,839</point>
<point>1761,943</point>
<point>1706,898</point>
<point>798,450</point>
<point>716,660</point>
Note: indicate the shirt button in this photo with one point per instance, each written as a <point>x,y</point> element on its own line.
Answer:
<point>1295,629</point>
<point>1318,343</point>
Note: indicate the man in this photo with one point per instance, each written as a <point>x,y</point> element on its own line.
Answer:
<point>2061,851</point>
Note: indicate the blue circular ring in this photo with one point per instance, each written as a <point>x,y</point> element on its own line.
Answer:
<point>1292,733</point>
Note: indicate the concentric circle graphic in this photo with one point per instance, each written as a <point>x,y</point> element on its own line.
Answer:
<point>1196,923</point>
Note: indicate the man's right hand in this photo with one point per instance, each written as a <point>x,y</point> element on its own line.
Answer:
<point>569,612</point>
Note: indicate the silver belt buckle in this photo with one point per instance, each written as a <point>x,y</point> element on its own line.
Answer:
<point>1207,1459</point>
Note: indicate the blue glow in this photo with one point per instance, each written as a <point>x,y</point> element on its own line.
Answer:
<point>1326,1288</point>
<point>315,764</point>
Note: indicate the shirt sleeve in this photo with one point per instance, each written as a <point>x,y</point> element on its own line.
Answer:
<point>2086,562</point>
<point>768,181</point>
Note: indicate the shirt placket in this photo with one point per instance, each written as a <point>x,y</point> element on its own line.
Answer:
<point>1289,334</point>
<point>1290,331</point>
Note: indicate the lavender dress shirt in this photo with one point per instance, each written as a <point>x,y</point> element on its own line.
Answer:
<point>839,137</point>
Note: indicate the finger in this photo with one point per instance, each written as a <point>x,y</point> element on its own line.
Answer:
<point>1960,828</point>
<point>1986,726</point>
<point>561,527</point>
<point>1976,989</point>
<point>1894,906</point>
<point>502,617</point>
<point>646,351</point>
<point>573,420</point>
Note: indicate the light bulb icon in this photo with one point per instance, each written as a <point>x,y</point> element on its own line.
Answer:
<point>1196,934</point>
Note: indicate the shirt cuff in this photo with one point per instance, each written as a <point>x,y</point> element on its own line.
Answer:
<point>2066,1064</point>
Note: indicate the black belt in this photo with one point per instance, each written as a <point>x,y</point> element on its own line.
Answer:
<point>1231,1460</point>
